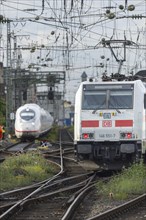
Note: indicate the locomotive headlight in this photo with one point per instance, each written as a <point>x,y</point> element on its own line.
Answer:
<point>32,123</point>
<point>100,114</point>
<point>127,135</point>
<point>87,135</point>
<point>114,113</point>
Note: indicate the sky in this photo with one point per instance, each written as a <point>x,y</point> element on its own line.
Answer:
<point>69,35</point>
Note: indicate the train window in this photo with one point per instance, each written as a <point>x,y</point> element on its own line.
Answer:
<point>94,100</point>
<point>27,114</point>
<point>120,99</point>
<point>107,99</point>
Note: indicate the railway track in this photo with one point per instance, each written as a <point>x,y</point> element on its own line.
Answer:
<point>12,149</point>
<point>71,196</point>
<point>41,192</point>
<point>122,211</point>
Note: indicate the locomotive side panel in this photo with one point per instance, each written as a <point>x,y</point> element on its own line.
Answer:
<point>77,114</point>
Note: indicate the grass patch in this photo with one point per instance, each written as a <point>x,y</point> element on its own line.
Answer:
<point>53,134</point>
<point>25,169</point>
<point>131,181</point>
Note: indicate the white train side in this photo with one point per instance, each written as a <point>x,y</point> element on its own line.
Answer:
<point>32,121</point>
<point>110,123</point>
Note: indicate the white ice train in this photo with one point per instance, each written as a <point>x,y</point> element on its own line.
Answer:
<point>32,121</point>
<point>110,123</point>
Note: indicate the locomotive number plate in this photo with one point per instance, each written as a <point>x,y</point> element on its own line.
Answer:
<point>107,136</point>
<point>107,123</point>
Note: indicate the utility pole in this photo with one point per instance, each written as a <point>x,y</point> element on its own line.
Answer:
<point>17,72</point>
<point>9,116</point>
<point>13,86</point>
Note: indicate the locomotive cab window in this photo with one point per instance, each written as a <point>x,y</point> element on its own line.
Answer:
<point>94,99</point>
<point>107,98</point>
<point>27,114</point>
<point>121,99</point>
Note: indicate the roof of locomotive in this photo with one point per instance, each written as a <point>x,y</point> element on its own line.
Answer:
<point>138,82</point>
<point>113,82</point>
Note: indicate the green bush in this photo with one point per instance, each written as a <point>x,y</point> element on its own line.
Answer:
<point>25,169</point>
<point>131,181</point>
<point>53,134</point>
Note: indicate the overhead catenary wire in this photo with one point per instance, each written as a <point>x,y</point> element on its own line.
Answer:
<point>80,36</point>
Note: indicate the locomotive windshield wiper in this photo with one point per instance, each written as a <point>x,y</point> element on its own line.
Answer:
<point>111,106</point>
<point>94,111</point>
<point>118,110</point>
